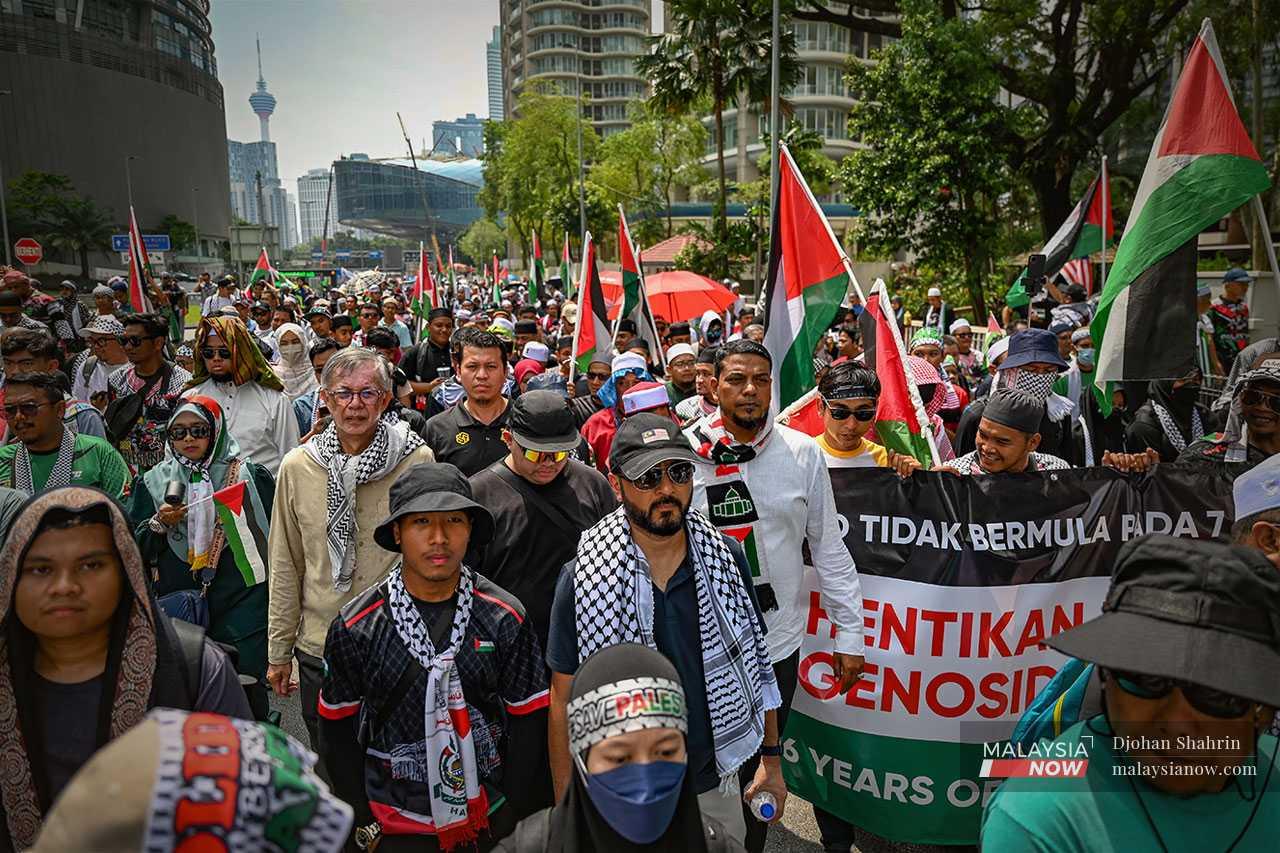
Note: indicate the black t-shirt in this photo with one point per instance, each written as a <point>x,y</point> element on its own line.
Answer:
<point>69,726</point>
<point>676,634</point>
<point>528,549</point>
<point>459,439</point>
<point>439,618</point>
<point>421,361</point>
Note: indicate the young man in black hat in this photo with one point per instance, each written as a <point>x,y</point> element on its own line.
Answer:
<point>541,499</point>
<point>428,363</point>
<point>657,572</point>
<point>1188,649</point>
<point>342,330</point>
<point>438,636</point>
<point>321,322</point>
<point>1008,436</point>
<point>626,333</point>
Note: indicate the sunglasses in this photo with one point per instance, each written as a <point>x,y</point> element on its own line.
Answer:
<point>179,433</point>
<point>678,473</point>
<point>26,408</point>
<point>842,413</point>
<point>599,377</point>
<point>1206,700</point>
<point>537,456</point>
<point>133,340</point>
<point>1254,397</point>
<point>965,335</point>
<point>211,352</point>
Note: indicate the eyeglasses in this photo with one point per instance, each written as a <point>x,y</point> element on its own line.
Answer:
<point>1206,700</point>
<point>27,409</point>
<point>179,433</point>
<point>538,456</point>
<point>345,396</point>
<point>842,413</point>
<point>599,377</point>
<point>965,335</point>
<point>211,352</point>
<point>134,340</point>
<point>1254,397</point>
<point>678,473</point>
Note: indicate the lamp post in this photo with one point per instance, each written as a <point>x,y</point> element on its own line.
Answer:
<point>4,210</point>
<point>128,179</point>
<point>195,211</point>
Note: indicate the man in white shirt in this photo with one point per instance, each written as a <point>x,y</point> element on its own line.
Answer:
<point>92,369</point>
<point>223,298</point>
<point>232,370</point>
<point>767,486</point>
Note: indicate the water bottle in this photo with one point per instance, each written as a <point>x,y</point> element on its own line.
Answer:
<point>764,806</point>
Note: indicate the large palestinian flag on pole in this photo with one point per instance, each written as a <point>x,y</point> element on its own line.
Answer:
<point>424,289</point>
<point>809,275</point>
<point>1202,166</point>
<point>901,423</point>
<point>635,297</point>
<point>139,268</point>
<point>1078,237</point>
<point>538,275</point>
<point>566,268</point>
<point>591,339</point>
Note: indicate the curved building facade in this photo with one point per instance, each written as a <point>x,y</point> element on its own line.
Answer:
<point>391,197</point>
<point>572,43</point>
<point>94,82</point>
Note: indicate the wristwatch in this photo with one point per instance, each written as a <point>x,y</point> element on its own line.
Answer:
<point>367,835</point>
<point>771,751</point>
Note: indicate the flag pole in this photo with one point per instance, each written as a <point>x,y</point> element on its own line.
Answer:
<point>1106,203</point>
<point>577,327</point>
<point>1260,211</point>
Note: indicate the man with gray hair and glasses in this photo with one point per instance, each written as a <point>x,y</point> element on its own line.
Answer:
<point>339,482</point>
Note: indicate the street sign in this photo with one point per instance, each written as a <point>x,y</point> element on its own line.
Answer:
<point>28,251</point>
<point>153,242</point>
<point>317,256</point>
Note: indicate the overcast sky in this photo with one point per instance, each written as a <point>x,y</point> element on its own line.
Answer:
<point>340,69</point>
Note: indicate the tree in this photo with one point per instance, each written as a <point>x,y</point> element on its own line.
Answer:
<point>181,232</point>
<point>481,240</point>
<point>931,178</point>
<point>805,146</point>
<point>641,166</point>
<point>717,50</point>
<point>78,225</point>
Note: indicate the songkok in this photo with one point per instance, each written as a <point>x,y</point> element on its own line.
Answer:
<point>1014,409</point>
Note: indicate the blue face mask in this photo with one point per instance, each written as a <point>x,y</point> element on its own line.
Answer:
<point>1084,357</point>
<point>637,800</point>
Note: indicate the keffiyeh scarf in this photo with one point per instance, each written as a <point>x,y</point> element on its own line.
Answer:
<point>1040,386</point>
<point>459,803</point>
<point>1171,429</point>
<point>392,442</point>
<point>614,593</point>
<point>62,466</point>
<point>730,506</point>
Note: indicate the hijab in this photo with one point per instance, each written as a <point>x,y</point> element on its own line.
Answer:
<point>295,370</point>
<point>248,364</point>
<point>136,651</point>
<point>576,824</point>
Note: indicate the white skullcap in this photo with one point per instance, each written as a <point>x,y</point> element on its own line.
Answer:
<point>934,291</point>
<point>678,350</point>
<point>536,350</point>
<point>627,361</point>
<point>962,323</point>
<point>999,348</point>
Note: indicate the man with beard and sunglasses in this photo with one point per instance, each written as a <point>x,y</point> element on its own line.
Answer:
<point>656,572</point>
<point>767,486</point>
<point>1252,434</point>
<point>1187,648</point>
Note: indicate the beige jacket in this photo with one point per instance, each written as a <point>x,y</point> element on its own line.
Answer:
<point>302,599</point>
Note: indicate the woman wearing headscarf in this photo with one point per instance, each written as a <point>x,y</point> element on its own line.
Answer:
<point>631,789</point>
<point>199,544</point>
<point>1171,419</point>
<point>294,368</point>
<point>84,651</point>
<point>526,369</point>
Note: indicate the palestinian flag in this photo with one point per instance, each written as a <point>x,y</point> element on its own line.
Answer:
<point>496,296</point>
<point>591,339</point>
<point>636,299</point>
<point>1201,167</point>
<point>566,268</point>
<point>453,275</point>
<point>1078,237</point>
<point>803,415</point>
<point>263,269</point>
<point>993,325</point>
<point>809,275</point>
<point>901,423</point>
<point>424,288</point>
<point>242,537</point>
<point>538,275</point>
<point>140,276</point>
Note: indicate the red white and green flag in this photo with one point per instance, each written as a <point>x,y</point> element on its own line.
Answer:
<point>453,274</point>
<point>901,423</point>
<point>809,275</point>
<point>591,338</point>
<point>1202,166</point>
<point>496,296</point>
<point>234,515</point>
<point>263,269</point>
<point>139,268</point>
<point>424,287</point>
<point>635,298</point>
<point>538,275</point>
<point>566,268</point>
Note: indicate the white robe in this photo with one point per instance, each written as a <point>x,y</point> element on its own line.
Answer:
<point>261,420</point>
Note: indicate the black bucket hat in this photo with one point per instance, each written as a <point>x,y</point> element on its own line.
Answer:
<point>1198,611</point>
<point>433,487</point>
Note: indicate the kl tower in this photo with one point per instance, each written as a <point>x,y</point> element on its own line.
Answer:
<point>262,101</point>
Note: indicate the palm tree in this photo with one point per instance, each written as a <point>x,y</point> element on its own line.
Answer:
<point>78,225</point>
<point>716,49</point>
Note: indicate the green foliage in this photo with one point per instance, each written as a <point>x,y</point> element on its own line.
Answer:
<point>181,233</point>
<point>805,146</point>
<point>46,206</point>
<point>931,179</point>
<point>481,240</point>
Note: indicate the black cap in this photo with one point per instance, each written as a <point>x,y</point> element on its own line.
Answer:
<point>677,329</point>
<point>543,421</point>
<point>644,440</point>
<point>341,320</point>
<point>526,327</point>
<point>433,487</point>
<point>627,325</point>
<point>564,341</point>
<point>227,280</point>
<point>1014,409</point>
<point>1196,610</point>
<point>437,313</point>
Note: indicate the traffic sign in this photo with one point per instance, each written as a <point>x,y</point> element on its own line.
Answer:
<point>28,251</point>
<point>153,242</point>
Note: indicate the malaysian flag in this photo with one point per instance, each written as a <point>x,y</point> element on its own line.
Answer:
<point>1079,271</point>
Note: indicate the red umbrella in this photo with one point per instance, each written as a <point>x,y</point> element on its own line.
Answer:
<point>681,295</point>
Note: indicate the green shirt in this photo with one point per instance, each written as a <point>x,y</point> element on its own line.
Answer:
<point>95,463</point>
<point>1100,813</point>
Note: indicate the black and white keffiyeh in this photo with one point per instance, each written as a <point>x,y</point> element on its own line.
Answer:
<point>459,803</point>
<point>392,442</point>
<point>62,466</point>
<point>614,594</point>
<point>1171,429</point>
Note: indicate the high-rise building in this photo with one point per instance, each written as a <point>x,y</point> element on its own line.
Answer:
<point>493,61</point>
<point>262,101</point>
<point>313,201</point>
<point>290,220</point>
<point>463,136</point>
<point>577,43</point>
<point>144,69</point>
<point>257,196</point>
